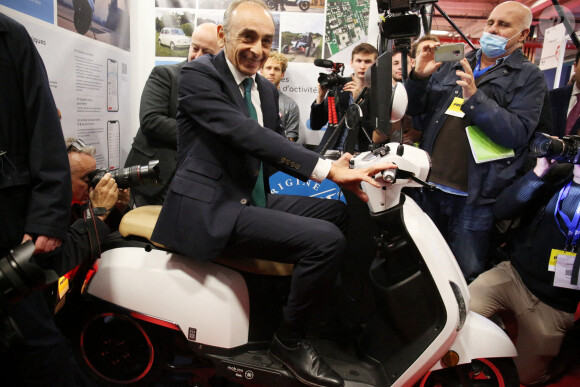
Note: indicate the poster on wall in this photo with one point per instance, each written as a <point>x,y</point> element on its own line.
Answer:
<point>88,76</point>
<point>105,21</point>
<point>305,31</point>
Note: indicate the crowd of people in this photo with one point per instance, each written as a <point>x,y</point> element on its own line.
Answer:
<point>220,127</point>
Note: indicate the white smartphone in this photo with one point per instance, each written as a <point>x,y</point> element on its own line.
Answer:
<point>449,52</point>
<point>112,85</point>
<point>113,144</point>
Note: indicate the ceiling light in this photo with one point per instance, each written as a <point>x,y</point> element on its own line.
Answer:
<point>439,32</point>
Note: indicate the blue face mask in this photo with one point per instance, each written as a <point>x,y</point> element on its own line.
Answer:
<point>494,45</point>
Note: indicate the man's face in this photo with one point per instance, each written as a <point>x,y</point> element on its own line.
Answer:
<point>397,66</point>
<point>272,71</point>
<point>360,63</point>
<point>506,20</point>
<point>203,41</point>
<point>81,165</point>
<point>250,37</point>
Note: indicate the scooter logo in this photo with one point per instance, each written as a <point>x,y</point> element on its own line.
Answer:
<point>192,334</point>
<point>248,374</point>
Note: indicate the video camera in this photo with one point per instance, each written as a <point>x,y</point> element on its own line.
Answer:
<point>130,176</point>
<point>563,150</point>
<point>335,78</point>
<point>18,277</point>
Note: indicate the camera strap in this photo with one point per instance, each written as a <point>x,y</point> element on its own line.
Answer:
<point>573,233</point>
<point>95,250</point>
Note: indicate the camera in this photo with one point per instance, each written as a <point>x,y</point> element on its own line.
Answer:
<point>333,79</point>
<point>563,150</point>
<point>130,176</point>
<point>18,277</point>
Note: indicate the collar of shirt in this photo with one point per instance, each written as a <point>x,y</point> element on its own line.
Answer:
<point>239,77</point>
<point>497,62</point>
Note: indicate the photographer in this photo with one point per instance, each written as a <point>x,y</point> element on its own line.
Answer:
<point>105,202</point>
<point>500,92</point>
<point>363,56</point>
<point>547,198</point>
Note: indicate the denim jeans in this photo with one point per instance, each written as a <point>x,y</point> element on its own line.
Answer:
<point>465,227</point>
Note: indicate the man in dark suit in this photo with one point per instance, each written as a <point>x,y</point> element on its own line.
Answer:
<point>157,136</point>
<point>217,204</point>
<point>563,100</point>
<point>363,56</point>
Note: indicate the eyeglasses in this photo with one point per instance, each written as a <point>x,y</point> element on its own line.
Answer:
<point>78,144</point>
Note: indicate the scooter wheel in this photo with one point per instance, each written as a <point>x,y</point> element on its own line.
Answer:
<point>304,6</point>
<point>496,372</point>
<point>117,349</point>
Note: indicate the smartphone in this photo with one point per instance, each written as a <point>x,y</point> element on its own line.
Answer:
<point>449,52</point>
<point>113,144</point>
<point>112,85</point>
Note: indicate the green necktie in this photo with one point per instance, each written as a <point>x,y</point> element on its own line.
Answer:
<point>259,193</point>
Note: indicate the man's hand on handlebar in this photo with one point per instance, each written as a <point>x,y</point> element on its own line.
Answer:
<point>351,178</point>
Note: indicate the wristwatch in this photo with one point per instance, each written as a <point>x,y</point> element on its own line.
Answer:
<point>98,211</point>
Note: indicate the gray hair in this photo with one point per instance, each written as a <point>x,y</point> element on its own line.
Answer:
<point>235,4</point>
<point>78,146</point>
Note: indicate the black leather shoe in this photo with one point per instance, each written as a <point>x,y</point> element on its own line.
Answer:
<point>304,362</point>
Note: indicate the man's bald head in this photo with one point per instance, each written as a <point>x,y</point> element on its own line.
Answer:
<point>204,40</point>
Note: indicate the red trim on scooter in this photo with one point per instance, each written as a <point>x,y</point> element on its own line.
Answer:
<point>155,321</point>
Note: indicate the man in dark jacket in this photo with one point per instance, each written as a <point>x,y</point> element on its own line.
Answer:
<point>525,285</point>
<point>218,203</point>
<point>35,196</point>
<point>363,56</point>
<point>496,89</point>
<point>157,136</point>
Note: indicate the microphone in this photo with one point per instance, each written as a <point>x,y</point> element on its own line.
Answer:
<point>328,64</point>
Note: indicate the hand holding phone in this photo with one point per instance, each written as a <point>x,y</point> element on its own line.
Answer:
<point>449,52</point>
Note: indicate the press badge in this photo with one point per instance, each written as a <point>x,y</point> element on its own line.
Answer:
<point>554,258</point>
<point>455,108</point>
<point>563,275</point>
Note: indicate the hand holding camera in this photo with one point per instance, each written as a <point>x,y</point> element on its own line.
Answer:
<point>105,194</point>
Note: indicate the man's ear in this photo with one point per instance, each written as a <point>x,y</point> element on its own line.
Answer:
<point>221,34</point>
<point>524,34</point>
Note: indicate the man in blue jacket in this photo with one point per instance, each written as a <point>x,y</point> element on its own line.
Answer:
<point>496,89</point>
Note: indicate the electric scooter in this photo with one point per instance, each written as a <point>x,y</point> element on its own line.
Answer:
<point>149,313</point>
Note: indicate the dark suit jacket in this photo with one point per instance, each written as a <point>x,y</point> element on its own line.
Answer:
<point>219,153</point>
<point>560,99</point>
<point>157,136</point>
<point>35,185</point>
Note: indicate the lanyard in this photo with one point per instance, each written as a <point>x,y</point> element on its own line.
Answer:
<point>573,233</point>
<point>478,71</point>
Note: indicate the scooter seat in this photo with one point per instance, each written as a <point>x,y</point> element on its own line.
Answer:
<point>141,221</point>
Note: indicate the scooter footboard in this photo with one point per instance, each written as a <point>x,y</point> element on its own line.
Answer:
<point>480,338</point>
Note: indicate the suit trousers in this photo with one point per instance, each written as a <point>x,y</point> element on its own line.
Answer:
<point>304,231</point>
<point>541,328</point>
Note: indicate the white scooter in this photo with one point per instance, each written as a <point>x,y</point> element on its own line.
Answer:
<point>151,315</point>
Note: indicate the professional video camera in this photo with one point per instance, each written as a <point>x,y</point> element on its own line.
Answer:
<point>18,277</point>
<point>130,176</point>
<point>335,78</point>
<point>563,150</point>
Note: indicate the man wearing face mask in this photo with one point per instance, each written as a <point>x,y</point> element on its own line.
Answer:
<point>496,89</point>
